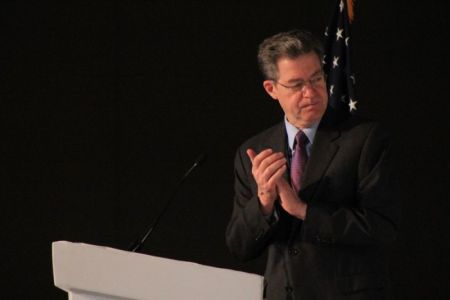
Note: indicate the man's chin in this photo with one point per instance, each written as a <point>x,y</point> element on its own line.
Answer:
<point>313,115</point>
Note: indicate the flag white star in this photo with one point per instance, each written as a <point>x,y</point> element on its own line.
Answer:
<point>324,62</point>
<point>341,5</point>
<point>326,31</point>
<point>353,78</point>
<point>343,98</point>
<point>331,89</point>
<point>335,61</point>
<point>339,34</point>
<point>352,104</point>
<point>346,41</point>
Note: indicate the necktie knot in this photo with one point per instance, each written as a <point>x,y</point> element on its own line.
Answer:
<point>300,139</point>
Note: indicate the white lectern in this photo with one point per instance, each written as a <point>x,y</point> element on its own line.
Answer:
<point>100,273</point>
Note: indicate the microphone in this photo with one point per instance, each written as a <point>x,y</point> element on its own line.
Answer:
<point>137,245</point>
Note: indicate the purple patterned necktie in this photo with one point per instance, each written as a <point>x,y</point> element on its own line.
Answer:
<point>299,159</point>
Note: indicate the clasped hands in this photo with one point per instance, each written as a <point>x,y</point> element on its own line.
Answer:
<point>268,168</point>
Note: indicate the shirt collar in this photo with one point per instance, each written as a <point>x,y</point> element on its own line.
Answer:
<point>291,131</point>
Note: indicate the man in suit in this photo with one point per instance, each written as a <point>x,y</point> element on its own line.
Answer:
<point>315,190</point>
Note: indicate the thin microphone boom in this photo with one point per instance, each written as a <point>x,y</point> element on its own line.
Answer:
<point>137,245</point>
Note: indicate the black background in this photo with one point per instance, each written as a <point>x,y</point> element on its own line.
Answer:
<point>104,104</point>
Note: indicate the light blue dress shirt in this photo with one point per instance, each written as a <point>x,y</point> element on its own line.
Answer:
<point>291,131</point>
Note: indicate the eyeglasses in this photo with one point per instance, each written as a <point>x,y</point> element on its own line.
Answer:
<point>315,81</point>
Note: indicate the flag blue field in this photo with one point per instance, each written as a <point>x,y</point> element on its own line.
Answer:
<point>340,79</point>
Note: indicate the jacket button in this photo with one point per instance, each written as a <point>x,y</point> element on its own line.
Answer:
<point>293,251</point>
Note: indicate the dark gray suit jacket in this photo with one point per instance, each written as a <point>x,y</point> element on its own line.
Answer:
<point>337,252</point>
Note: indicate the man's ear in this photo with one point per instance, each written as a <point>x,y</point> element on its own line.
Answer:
<point>270,88</point>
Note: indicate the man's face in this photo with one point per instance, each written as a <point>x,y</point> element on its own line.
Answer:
<point>300,89</point>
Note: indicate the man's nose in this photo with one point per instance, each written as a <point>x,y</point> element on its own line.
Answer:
<point>308,90</point>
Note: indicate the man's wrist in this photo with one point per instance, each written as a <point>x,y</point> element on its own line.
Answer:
<point>266,202</point>
<point>266,209</point>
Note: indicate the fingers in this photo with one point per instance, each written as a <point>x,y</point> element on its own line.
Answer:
<point>265,158</point>
<point>269,176</point>
<point>283,185</point>
<point>257,158</point>
<point>267,167</point>
<point>290,201</point>
<point>251,154</point>
<point>274,178</point>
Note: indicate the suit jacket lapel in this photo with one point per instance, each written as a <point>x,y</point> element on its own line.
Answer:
<point>277,138</point>
<point>277,141</point>
<point>323,150</point>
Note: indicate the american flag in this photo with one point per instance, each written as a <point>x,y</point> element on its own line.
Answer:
<point>340,79</point>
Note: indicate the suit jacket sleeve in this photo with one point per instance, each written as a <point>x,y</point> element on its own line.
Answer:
<point>249,231</point>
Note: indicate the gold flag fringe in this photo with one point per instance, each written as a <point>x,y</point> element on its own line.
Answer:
<point>350,9</point>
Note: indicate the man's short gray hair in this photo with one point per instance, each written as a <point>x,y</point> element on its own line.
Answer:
<point>290,44</point>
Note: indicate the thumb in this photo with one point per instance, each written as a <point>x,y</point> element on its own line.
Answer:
<point>251,154</point>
